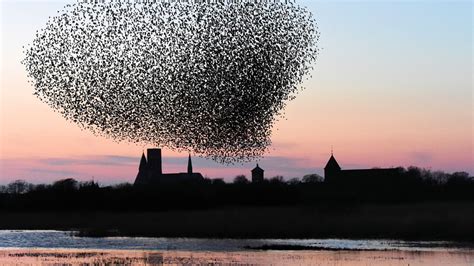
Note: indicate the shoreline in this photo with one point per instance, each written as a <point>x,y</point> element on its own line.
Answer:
<point>67,241</point>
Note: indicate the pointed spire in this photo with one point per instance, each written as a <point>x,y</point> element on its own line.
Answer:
<point>190,165</point>
<point>332,163</point>
<point>257,168</point>
<point>143,162</point>
<point>332,151</point>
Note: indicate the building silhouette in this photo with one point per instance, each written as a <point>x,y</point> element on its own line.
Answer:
<point>335,175</point>
<point>150,171</point>
<point>257,174</point>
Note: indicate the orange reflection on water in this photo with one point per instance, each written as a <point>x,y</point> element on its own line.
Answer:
<point>125,257</point>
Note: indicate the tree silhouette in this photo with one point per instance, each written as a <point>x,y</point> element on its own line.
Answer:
<point>312,178</point>
<point>277,179</point>
<point>19,187</point>
<point>68,184</point>
<point>241,179</point>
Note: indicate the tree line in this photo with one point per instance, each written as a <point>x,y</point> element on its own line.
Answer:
<point>413,184</point>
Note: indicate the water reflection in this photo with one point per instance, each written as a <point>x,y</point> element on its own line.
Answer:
<point>122,257</point>
<point>60,239</point>
<point>55,247</point>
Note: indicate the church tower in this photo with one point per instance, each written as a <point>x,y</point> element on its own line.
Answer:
<point>150,171</point>
<point>257,174</point>
<point>331,170</point>
<point>154,163</point>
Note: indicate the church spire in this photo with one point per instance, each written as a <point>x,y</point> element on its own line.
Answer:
<point>190,165</point>
<point>332,164</point>
<point>142,166</point>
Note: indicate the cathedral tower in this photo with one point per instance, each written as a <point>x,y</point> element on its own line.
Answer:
<point>154,162</point>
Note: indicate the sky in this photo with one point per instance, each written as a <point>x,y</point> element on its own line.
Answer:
<point>393,86</point>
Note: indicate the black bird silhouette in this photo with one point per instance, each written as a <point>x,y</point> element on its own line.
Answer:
<point>209,77</point>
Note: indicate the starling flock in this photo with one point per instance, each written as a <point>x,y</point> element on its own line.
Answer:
<point>209,77</point>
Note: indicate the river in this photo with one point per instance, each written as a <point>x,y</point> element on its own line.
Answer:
<point>58,247</point>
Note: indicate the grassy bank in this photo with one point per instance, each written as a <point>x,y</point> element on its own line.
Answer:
<point>421,221</point>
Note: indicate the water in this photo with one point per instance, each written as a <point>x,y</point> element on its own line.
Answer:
<point>56,247</point>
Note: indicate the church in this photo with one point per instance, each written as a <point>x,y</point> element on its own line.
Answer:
<point>150,171</point>
<point>333,174</point>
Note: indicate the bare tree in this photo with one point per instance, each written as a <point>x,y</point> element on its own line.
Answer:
<point>67,184</point>
<point>294,181</point>
<point>241,179</point>
<point>19,187</point>
<point>312,178</point>
<point>277,179</point>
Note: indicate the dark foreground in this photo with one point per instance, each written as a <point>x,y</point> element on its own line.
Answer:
<point>413,221</point>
